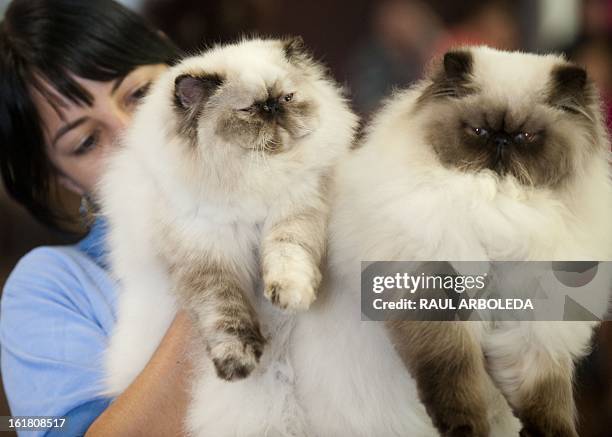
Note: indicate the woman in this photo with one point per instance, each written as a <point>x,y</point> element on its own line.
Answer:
<point>71,74</point>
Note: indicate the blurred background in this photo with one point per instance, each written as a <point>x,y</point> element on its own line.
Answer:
<point>373,46</point>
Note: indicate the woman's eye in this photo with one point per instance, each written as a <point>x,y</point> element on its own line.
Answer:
<point>89,143</point>
<point>139,93</point>
<point>480,132</point>
<point>288,97</point>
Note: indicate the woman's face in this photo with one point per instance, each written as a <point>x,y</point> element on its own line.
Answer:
<point>78,138</point>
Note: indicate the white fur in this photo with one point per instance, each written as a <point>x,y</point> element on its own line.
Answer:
<point>326,373</point>
<point>215,201</point>
<point>397,202</point>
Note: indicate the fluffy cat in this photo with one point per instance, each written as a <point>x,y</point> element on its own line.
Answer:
<point>324,372</point>
<point>494,156</point>
<point>223,181</point>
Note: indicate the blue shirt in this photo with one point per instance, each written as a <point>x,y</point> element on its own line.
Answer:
<point>56,315</point>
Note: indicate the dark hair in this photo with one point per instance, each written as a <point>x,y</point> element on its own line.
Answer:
<point>45,40</point>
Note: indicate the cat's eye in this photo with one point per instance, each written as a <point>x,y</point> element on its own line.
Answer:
<point>480,131</point>
<point>288,97</point>
<point>524,137</point>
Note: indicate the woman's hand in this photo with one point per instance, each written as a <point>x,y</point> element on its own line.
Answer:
<point>156,402</point>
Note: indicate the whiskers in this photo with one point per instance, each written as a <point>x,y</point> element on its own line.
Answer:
<point>474,164</point>
<point>515,168</point>
<point>520,172</point>
<point>272,145</point>
<point>260,153</point>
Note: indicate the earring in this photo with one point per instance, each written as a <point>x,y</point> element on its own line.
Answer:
<point>84,207</point>
<point>86,211</point>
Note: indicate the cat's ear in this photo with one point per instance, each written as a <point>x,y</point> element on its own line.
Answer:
<point>451,76</point>
<point>191,91</point>
<point>570,78</point>
<point>570,90</point>
<point>457,64</point>
<point>294,49</point>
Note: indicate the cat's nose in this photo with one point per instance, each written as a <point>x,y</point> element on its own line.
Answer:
<point>271,106</point>
<point>501,140</point>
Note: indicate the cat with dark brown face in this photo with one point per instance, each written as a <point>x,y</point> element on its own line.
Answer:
<point>493,156</point>
<point>539,130</point>
<point>471,129</point>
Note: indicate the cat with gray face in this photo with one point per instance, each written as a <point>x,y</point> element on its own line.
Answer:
<point>218,202</point>
<point>494,156</point>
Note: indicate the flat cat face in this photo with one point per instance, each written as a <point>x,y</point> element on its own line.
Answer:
<point>256,95</point>
<point>528,116</point>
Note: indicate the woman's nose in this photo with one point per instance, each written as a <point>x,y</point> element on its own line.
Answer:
<point>122,119</point>
<point>118,122</point>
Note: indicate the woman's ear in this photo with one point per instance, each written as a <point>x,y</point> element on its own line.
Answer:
<point>70,185</point>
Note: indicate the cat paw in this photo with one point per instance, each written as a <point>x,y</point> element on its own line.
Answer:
<point>559,430</point>
<point>288,295</point>
<point>547,423</point>
<point>456,419</point>
<point>237,357</point>
<point>291,283</point>
<point>465,428</point>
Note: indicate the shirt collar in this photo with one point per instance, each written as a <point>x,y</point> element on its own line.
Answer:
<point>94,244</point>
